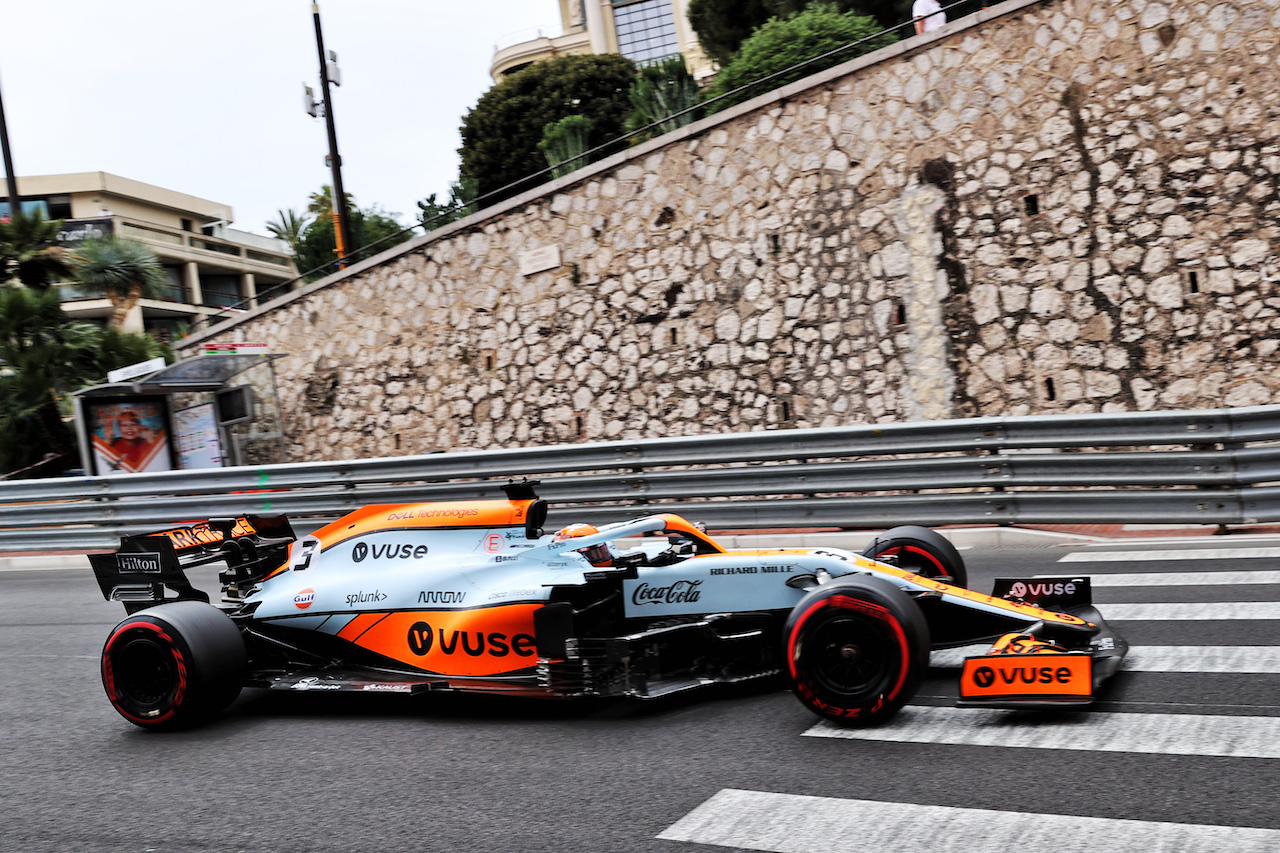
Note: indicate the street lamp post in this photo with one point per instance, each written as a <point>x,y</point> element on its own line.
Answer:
<point>341,219</point>
<point>11,180</point>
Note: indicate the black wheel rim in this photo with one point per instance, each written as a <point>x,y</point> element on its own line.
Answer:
<point>915,562</point>
<point>145,672</point>
<point>852,655</point>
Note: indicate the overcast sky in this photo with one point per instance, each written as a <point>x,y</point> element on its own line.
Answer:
<point>205,98</point>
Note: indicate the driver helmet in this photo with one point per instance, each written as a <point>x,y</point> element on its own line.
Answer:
<point>598,554</point>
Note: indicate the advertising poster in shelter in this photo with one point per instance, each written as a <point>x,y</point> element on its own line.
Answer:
<point>196,430</point>
<point>129,436</point>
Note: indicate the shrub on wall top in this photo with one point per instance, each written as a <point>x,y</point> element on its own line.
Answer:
<point>783,43</point>
<point>500,134</point>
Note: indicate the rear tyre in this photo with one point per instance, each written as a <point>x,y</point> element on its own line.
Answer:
<point>856,650</point>
<point>173,665</point>
<point>922,551</point>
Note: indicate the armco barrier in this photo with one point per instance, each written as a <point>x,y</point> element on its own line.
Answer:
<point>1210,466</point>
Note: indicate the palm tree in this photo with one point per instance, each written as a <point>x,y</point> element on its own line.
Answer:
<point>29,249</point>
<point>322,202</point>
<point>124,271</point>
<point>43,355</point>
<point>289,225</point>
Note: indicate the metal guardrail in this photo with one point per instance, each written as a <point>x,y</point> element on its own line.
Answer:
<point>1210,467</point>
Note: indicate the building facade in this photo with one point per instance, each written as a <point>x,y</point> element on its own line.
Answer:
<point>641,30</point>
<point>210,267</point>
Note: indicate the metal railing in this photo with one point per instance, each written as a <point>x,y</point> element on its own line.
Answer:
<point>1218,466</point>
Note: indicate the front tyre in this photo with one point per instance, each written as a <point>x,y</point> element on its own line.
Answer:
<point>173,665</point>
<point>922,551</point>
<point>856,650</point>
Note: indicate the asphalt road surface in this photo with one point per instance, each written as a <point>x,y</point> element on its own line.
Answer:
<point>1181,754</point>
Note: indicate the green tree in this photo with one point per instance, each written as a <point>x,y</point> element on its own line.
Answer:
<point>462,202</point>
<point>888,13</point>
<point>564,142</point>
<point>500,134</point>
<point>289,226</point>
<point>124,271</point>
<point>783,43</point>
<point>316,248</point>
<point>29,250</point>
<point>321,203</point>
<point>44,356</point>
<point>723,25</point>
<point>661,90</point>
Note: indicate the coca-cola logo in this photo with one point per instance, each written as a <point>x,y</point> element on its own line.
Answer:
<point>679,592</point>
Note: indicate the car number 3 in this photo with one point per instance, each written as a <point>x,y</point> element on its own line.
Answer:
<point>303,552</point>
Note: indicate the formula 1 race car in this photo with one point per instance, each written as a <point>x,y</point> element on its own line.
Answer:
<point>472,596</point>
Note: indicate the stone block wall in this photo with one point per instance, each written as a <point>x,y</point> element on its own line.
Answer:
<point>1062,206</point>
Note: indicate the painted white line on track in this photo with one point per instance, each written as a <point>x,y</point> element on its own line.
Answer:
<point>1168,554</point>
<point>1225,659</point>
<point>1179,578</point>
<point>791,823</point>
<point>1161,734</point>
<point>1191,611</point>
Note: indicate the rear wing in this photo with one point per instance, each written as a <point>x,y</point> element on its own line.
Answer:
<point>138,573</point>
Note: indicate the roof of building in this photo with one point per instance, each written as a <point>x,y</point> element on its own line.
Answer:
<point>114,185</point>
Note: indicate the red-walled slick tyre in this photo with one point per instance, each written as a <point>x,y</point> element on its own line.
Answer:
<point>173,665</point>
<point>856,650</point>
<point>921,550</point>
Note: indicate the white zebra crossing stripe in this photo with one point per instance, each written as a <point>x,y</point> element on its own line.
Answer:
<point>1180,578</point>
<point>1163,734</point>
<point>791,823</point>
<point>1223,659</point>
<point>1191,611</point>
<point>1168,554</point>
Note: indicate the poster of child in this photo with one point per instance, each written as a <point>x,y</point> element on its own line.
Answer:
<point>129,437</point>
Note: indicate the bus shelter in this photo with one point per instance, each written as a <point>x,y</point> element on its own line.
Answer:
<point>214,410</point>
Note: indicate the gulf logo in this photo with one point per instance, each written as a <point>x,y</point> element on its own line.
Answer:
<point>303,599</point>
<point>494,543</point>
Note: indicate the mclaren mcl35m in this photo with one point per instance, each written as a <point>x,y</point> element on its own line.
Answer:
<point>474,596</point>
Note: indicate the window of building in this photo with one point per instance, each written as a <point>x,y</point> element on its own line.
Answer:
<point>646,29</point>
<point>165,329</point>
<point>29,206</point>
<point>220,290</point>
<point>59,206</point>
<point>172,290</point>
